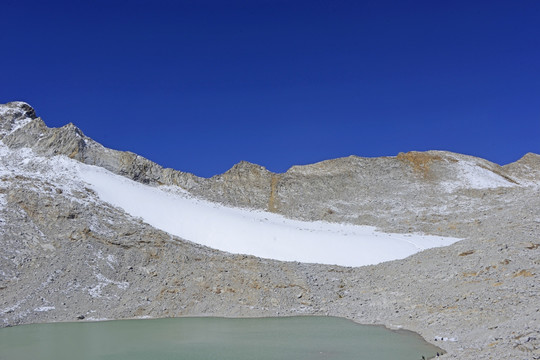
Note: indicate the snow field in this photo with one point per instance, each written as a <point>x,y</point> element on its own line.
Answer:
<point>251,232</point>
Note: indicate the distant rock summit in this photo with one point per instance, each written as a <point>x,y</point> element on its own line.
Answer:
<point>68,255</point>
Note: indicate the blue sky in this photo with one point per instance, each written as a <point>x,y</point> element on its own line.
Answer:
<point>200,85</point>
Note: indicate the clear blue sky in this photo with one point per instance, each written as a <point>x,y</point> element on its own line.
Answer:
<point>200,85</point>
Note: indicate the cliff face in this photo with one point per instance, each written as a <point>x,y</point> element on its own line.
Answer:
<point>66,253</point>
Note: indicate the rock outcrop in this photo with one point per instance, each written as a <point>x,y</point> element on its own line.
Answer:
<point>527,169</point>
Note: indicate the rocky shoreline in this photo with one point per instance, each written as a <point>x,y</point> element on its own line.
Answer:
<point>67,254</point>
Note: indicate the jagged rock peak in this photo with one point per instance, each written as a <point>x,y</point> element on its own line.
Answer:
<point>244,167</point>
<point>17,109</point>
<point>20,128</point>
<point>14,115</point>
<point>73,129</point>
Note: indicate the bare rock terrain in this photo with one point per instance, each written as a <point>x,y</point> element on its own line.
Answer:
<point>66,254</point>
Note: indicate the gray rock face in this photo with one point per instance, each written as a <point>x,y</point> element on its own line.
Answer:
<point>527,169</point>
<point>66,254</point>
<point>70,141</point>
<point>14,115</point>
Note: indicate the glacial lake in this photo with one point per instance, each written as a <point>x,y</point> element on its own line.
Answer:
<point>209,338</point>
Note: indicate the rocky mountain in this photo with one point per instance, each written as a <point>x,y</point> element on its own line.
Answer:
<point>67,254</point>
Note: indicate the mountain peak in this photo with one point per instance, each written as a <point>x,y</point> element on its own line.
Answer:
<point>19,109</point>
<point>15,115</point>
<point>244,166</point>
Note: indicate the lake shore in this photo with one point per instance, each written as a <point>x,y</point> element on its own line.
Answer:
<point>303,337</point>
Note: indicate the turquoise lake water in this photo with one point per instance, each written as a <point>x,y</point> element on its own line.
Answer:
<point>208,338</point>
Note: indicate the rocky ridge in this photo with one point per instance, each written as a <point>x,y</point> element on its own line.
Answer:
<point>68,254</point>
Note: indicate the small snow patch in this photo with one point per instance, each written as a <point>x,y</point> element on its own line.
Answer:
<point>19,124</point>
<point>103,281</point>
<point>44,308</point>
<point>473,176</point>
<point>442,338</point>
<point>96,319</point>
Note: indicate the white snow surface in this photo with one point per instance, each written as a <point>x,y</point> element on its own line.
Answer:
<point>258,233</point>
<point>472,176</point>
<point>45,308</point>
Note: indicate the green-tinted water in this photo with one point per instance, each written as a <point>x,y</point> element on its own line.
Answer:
<point>293,338</point>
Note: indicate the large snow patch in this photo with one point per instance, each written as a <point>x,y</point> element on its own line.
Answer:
<point>257,233</point>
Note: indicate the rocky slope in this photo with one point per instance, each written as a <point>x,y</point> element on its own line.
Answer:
<point>66,254</point>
